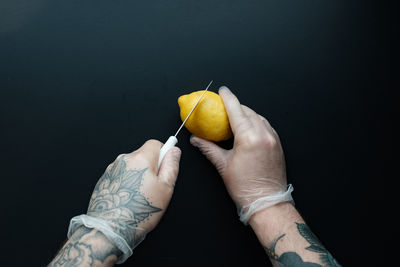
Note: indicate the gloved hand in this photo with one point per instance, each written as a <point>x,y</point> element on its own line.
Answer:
<point>131,196</point>
<point>254,169</point>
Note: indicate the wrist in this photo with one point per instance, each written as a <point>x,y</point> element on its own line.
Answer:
<point>97,240</point>
<point>101,241</point>
<point>106,229</point>
<point>271,221</point>
<point>87,247</point>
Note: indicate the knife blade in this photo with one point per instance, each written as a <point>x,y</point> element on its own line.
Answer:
<point>172,140</point>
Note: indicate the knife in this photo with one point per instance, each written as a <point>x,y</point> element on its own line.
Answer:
<point>172,140</point>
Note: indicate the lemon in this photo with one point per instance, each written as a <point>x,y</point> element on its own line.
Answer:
<point>209,119</point>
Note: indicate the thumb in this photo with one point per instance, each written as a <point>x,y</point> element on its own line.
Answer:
<point>214,153</point>
<point>169,168</point>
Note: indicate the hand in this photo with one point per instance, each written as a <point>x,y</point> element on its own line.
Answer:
<point>132,195</point>
<point>127,202</point>
<point>255,166</point>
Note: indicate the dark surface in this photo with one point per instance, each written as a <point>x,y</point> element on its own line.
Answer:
<point>82,81</point>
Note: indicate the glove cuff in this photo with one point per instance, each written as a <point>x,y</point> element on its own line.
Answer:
<point>262,203</point>
<point>104,227</point>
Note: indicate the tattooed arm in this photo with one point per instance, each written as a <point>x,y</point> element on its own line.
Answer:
<point>87,247</point>
<point>128,201</point>
<point>287,239</point>
<point>254,175</point>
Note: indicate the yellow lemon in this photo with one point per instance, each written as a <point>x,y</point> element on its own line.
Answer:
<point>209,119</point>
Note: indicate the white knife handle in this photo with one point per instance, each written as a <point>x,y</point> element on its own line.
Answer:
<point>171,142</point>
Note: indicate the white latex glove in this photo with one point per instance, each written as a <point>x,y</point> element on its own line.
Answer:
<point>131,196</point>
<point>254,169</point>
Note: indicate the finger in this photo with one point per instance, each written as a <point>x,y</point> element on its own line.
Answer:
<point>215,154</point>
<point>250,113</point>
<point>109,167</point>
<point>237,118</point>
<point>169,168</point>
<point>256,119</point>
<point>260,121</point>
<point>151,151</point>
<point>268,125</point>
<point>116,161</point>
<point>253,115</point>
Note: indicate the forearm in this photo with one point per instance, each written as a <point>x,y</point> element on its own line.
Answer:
<point>87,247</point>
<point>287,239</point>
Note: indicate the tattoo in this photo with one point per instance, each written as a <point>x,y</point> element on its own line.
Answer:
<point>74,254</point>
<point>293,259</point>
<point>87,247</point>
<point>117,199</point>
<point>316,246</point>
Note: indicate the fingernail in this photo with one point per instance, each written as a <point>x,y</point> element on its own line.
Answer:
<point>226,89</point>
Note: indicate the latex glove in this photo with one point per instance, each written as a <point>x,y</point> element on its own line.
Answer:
<point>254,169</point>
<point>131,196</point>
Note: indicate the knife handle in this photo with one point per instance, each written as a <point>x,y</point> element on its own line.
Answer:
<point>171,142</point>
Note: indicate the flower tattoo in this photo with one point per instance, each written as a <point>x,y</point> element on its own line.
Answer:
<point>117,199</point>
<point>74,254</point>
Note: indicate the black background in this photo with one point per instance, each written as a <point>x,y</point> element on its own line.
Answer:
<point>83,81</point>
